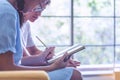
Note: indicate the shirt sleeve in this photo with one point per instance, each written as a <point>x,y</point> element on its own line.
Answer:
<point>7,30</point>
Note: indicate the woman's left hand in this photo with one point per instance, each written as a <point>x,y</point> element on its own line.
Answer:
<point>73,63</point>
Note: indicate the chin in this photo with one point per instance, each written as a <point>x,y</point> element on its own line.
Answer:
<point>32,20</point>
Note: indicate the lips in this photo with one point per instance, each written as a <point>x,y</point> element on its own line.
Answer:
<point>34,17</point>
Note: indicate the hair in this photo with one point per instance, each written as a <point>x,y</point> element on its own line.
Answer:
<point>47,2</point>
<point>20,7</point>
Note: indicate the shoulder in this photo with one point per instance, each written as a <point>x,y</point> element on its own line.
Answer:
<point>6,8</point>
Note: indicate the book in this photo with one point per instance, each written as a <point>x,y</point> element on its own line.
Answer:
<point>71,50</point>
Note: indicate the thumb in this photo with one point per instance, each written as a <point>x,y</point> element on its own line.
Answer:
<point>64,57</point>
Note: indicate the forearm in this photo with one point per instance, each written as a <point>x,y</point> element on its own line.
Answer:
<point>16,67</point>
<point>8,64</point>
<point>33,61</point>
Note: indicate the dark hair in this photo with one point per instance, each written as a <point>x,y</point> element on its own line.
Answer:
<point>20,7</point>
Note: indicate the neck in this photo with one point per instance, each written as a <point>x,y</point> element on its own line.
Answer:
<point>25,17</point>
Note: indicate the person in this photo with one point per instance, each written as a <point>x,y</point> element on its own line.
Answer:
<point>28,43</point>
<point>10,42</point>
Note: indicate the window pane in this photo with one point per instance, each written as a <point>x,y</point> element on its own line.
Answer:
<point>58,8</point>
<point>93,7</point>
<point>117,8</point>
<point>117,55</point>
<point>96,55</point>
<point>95,31</point>
<point>118,31</point>
<point>53,31</point>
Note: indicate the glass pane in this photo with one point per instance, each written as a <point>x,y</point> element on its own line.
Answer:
<point>117,58</point>
<point>52,31</point>
<point>95,55</point>
<point>118,31</point>
<point>95,31</point>
<point>117,55</point>
<point>93,7</point>
<point>117,7</point>
<point>58,8</point>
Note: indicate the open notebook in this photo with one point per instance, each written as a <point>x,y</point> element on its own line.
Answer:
<point>71,50</point>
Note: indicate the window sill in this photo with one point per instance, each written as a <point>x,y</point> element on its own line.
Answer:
<point>96,70</point>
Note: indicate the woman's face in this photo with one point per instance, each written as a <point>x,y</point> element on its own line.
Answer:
<point>32,16</point>
<point>36,12</point>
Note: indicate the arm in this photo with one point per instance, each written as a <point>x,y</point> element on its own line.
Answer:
<point>27,40</point>
<point>8,64</point>
<point>35,51</point>
<point>37,60</point>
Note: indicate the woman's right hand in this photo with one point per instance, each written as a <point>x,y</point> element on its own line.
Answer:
<point>60,63</point>
<point>48,51</point>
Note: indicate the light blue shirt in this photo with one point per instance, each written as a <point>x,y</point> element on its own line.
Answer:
<point>10,30</point>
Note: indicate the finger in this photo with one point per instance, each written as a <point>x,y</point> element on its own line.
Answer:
<point>73,63</point>
<point>49,56</point>
<point>49,52</point>
<point>64,56</point>
<point>67,58</point>
<point>77,62</point>
<point>50,49</point>
<point>46,52</point>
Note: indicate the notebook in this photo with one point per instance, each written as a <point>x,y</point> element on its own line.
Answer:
<point>71,50</point>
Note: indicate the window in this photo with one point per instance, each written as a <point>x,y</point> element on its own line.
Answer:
<point>93,23</point>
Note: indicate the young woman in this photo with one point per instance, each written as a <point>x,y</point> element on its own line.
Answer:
<point>10,43</point>
<point>28,43</point>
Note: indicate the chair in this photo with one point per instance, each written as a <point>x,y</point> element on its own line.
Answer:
<point>117,75</point>
<point>23,75</point>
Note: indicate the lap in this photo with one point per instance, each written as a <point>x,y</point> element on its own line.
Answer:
<point>61,74</point>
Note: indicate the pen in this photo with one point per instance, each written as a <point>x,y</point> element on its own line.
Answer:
<point>43,44</point>
<point>41,41</point>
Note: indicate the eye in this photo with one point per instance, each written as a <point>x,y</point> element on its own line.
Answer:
<point>38,8</point>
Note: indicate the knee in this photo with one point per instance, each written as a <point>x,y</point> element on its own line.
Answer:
<point>76,75</point>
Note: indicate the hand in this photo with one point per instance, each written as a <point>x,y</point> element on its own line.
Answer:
<point>73,63</point>
<point>48,51</point>
<point>50,55</point>
<point>47,54</point>
<point>60,63</point>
